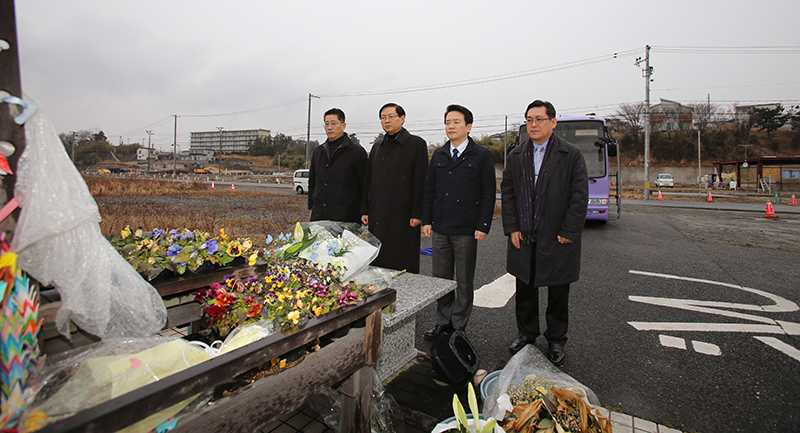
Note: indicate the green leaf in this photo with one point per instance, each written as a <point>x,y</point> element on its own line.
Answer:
<point>473,406</point>
<point>489,426</point>
<point>458,411</point>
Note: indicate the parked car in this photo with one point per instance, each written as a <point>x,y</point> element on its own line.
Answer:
<point>665,179</point>
<point>300,180</point>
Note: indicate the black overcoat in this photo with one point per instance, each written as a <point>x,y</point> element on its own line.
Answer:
<point>393,195</point>
<point>565,199</point>
<point>460,196</point>
<point>335,183</point>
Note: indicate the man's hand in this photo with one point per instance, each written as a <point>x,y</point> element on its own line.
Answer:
<point>365,220</point>
<point>426,230</point>
<point>479,235</point>
<point>516,238</point>
<point>415,222</point>
<point>564,240</point>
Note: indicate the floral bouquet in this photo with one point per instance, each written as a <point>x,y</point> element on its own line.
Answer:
<point>179,250</point>
<point>348,247</point>
<point>287,294</point>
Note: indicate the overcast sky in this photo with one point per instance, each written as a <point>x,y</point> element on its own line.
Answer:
<point>126,67</point>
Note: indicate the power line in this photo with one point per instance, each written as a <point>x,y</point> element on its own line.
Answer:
<point>492,78</point>
<point>254,110</point>
<point>768,49</point>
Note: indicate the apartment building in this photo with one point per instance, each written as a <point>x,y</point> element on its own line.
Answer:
<point>233,141</point>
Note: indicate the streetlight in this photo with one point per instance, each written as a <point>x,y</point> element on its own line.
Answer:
<point>219,171</point>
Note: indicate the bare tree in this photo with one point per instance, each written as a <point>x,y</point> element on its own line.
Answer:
<point>630,118</point>
<point>704,115</point>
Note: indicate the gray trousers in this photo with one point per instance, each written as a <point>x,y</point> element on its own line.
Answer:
<point>461,251</point>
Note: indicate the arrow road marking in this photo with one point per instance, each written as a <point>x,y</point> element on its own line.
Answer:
<point>766,326</point>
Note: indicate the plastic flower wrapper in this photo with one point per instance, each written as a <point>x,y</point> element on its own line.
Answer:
<point>59,243</point>
<point>347,246</point>
<point>90,376</point>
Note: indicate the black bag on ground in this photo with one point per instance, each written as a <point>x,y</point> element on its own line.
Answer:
<point>454,358</point>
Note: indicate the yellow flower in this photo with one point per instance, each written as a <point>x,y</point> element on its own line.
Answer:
<point>274,361</point>
<point>282,363</point>
<point>317,310</point>
<point>252,259</point>
<point>299,304</point>
<point>151,260</point>
<point>298,232</point>
<point>294,316</point>
<point>247,244</point>
<point>126,232</point>
<point>222,234</point>
<point>234,249</point>
<point>138,233</point>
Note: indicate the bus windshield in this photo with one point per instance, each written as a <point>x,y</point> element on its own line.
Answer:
<point>587,135</point>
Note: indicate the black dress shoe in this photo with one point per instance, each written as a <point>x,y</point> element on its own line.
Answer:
<point>519,343</point>
<point>556,355</point>
<point>434,332</point>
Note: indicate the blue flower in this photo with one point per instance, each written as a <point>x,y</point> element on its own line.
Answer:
<point>173,250</point>
<point>210,246</point>
<point>315,245</point>
<point>158,232</point>
<point>314,256</point>
<point>269,239</point>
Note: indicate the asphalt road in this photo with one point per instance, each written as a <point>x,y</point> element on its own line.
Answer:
<point>674,319</point>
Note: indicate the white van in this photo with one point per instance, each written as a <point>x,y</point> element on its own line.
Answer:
<point>300,180</point>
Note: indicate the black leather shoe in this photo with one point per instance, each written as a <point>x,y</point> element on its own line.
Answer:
<point>556,355</point>
<point>519,343</point>
<point>434,332</point>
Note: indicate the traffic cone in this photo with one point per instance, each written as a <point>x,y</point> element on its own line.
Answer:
<point>659,196</point>
<point>233,188</point>
<point>212,185</point>
<point>710,200</point>
<point>794,201</point>
<point>770,213</point>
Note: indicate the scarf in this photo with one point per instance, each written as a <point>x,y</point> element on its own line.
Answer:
<point>531,193</point>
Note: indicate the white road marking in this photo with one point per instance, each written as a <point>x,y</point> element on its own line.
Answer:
<point>706,348</point>
<point>767,326</point>
<point>780,345</point>
<point>678,343</point>
<point>497,293</point>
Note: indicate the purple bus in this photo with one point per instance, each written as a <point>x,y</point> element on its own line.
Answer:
<point>590,134</point>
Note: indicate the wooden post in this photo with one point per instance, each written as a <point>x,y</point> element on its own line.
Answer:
<point>356,398</point>
<point>10,131</point>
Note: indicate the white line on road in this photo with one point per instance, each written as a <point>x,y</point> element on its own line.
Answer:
<point>668,341</point>
<point>706,348</point>
<point>497,293</point>
<point>780,345</point>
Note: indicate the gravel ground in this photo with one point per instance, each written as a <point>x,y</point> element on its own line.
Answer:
<point>747,229</point>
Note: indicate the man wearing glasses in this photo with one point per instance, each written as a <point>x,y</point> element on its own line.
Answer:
<point>392,200</point>
<point>545,194</point>
<point>457,210</point>
<point>336,174</point>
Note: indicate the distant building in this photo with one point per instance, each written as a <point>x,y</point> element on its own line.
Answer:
<point>233,141</point>
<point>143,153</point>
<point>670,116</point>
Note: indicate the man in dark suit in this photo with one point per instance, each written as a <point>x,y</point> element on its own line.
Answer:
<point>457,211</point>
<point>545,194</point>
<point>336,174</point>
<point>392,200</point>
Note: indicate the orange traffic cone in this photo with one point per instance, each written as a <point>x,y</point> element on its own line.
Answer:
<point>794,201</point>
<point>770,213</point>
<point>212,185</point>
<point>659,196</point>
<point>710,200</point>
<point>233,188</point>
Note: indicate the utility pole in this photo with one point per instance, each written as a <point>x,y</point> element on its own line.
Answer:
<point>219,157</point>
<point>699,172</point>
<point>647,72</point>
<point>308,133</point>
<point>149,151</point>
<point>175,146</point>
<point>73,147</point>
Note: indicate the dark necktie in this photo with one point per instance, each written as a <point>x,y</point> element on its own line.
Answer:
<point>455,154</point>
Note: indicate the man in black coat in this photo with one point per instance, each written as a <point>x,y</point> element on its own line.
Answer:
<point>545,194</point>
<point>457,211</point>
<point>392,200</point>
<point>336,174</point>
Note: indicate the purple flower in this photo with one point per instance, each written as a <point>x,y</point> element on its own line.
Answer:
<point>210,246</point>
<point>173,250</point>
